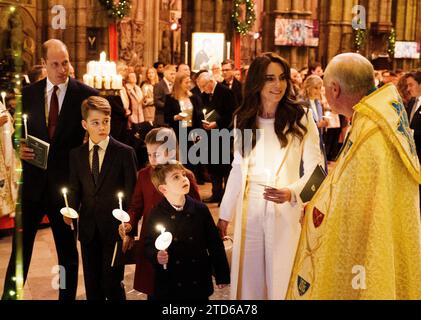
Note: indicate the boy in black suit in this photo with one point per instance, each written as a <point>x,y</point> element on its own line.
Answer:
<point>99,169</point>
<point>196,249</point>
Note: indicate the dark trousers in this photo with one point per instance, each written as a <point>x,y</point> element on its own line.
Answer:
<point>65,241</point>
<point>219,175</point>
<point>101,280</point>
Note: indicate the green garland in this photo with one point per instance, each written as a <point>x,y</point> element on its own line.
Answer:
<point>116,11</point>
<point>243,27</point>
<point>391,43</point>
<point>359,40</point>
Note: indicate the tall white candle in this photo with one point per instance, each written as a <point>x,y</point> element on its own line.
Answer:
<point>228,50</point>
<point>64,191</point>
<point>25,125</point>
<point>98,82</point>
<point>186,52</point>
<point>107,82</point>
<point>120,200</point>
<point>102,56</point>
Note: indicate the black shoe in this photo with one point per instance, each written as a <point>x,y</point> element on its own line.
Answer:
<point>212,199</point>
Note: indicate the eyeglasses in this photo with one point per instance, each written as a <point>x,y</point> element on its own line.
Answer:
<point>272,78</point>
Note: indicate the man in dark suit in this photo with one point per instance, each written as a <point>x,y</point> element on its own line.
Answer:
<point>53,109</point>
<point>413,82</point>
<point>219,99</point>
<point>99,170</point>
<point>160,91</point>
<point>231,82</point>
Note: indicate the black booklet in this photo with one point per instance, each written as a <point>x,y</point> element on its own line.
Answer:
<point>313,184</point>
<point>211,116</point>
<point>41,149</point>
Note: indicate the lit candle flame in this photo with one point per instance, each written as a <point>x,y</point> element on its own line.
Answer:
<point>160,228</point>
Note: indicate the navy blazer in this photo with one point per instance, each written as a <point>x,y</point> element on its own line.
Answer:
<point>68,134</point>
<point>95,203</point>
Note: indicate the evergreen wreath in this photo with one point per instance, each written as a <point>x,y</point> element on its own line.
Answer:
<point>116,10</point>
<point>243,27</point>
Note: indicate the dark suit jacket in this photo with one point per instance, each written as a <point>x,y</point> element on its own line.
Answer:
<point>194,254</point>
<point>160,92</point>
<point>172,108</point>
<point>237,89</point>
<point>69,134</point>
<point>223,101</point>
<point>416,126</point>
<point>96,203</point>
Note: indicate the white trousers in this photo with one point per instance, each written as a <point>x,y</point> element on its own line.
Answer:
<point>269,248</point>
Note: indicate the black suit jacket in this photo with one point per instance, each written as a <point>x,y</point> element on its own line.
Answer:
<point>96,203</point>
<point>160,92</point>
<point>223,101</point>
<point>172,108</point>
<point>416,126</point>
<point>46,184</point>
<point>237,89</point>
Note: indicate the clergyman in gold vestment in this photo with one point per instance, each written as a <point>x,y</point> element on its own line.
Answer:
<point>361,233</point>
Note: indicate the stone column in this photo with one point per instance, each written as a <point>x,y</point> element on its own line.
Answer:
<point>197,15</point>
<point>80,37</point>
<point>218,18</point>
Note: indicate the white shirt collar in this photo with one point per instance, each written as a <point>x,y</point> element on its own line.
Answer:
<point>102,145</point>
<point>61,86</point>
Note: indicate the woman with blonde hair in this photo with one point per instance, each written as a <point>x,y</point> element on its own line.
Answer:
<point>312,94</point>
<point>151,79</point>
<point>183,110</point>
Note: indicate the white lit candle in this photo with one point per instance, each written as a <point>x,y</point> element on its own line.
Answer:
<point>120,200</point>
<point>228,50</point>
<point>64,191</point>
<point>107,82</point>
<point>204,113</point>
<point>186,52</point>
<point>98,82</point>
<point>102,56</point>
<point>25,125</point>
<point>3,97</point>
<point>160,228</point>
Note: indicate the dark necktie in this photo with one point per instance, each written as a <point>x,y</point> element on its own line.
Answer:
<point>95,164</point>
<point>53,114</point>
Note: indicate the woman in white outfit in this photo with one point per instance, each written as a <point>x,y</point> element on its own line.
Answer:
<point>267,220</point>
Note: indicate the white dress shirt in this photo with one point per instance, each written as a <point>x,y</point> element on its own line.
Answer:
<point>61,92</point>
<point>101,151</point>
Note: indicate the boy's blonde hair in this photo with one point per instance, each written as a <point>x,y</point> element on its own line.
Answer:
<point>95,103</point>
<point>161,171</point>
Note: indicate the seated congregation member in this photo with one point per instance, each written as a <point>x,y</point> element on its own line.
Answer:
<point>99,169</point>
<point>146,196</point>
<point>184,270</point>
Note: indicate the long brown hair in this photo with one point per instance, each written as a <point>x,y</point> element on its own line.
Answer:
<point>289,112</point>
<point>177,92</point>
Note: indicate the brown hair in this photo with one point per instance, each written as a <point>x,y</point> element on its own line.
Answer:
<point>46,45</point>
<point>166,133</point>
<point>177,92</point>
<point>95,103</point>
<point>161,171</point>
<point>416,75</point>
<point>289,112</point>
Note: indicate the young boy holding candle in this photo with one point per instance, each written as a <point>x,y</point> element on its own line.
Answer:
<point>196,249</point>
<point>99,170</point>
<point>161,144</point>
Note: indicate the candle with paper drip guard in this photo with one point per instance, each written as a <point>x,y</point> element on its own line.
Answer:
<point>122,216</point>
<point>163,241</point>
<point>67,211</point>
<point>25,124</point>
